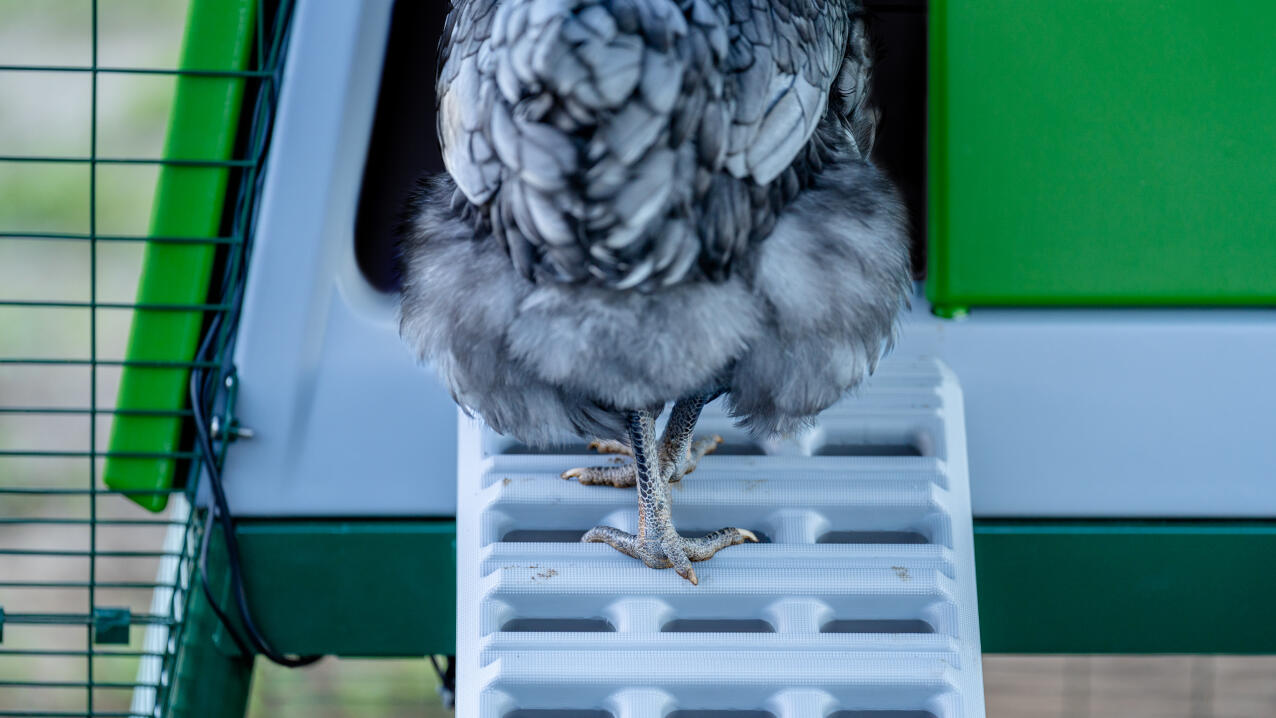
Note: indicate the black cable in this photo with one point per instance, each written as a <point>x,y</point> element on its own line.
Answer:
<point>220,512</point>
<point>447,679</point>
<point>208,591</point>
<point>203,382</point>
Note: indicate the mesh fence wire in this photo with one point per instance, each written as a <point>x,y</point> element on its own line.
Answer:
<point>93,586</point>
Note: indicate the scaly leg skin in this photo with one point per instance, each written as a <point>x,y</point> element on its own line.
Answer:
<point>679,455</point>
<point>658,544</point>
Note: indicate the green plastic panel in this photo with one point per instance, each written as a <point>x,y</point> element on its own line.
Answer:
<point>1126,587</point>
<point>388,588</point>
<point>209,681</point>
<point>351,588</point>
<point>189,203</point>
<point>1102,152</point>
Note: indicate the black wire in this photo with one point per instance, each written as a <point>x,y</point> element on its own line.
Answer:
<point>447,678</point>
<point>208,591</point>
<point>204,383</point>
<point>220,512</point>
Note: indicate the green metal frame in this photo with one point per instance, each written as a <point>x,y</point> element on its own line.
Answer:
<point>190,200</point>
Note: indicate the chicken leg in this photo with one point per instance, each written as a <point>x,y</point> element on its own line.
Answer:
<point>657,543</point>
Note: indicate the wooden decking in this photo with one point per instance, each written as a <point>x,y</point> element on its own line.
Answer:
<point>1130,686</point>
<point>1016,686</point>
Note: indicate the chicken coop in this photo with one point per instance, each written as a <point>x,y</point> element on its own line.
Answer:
<point>229,456</point>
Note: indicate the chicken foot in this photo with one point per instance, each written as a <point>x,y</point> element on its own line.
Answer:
<point>657,543</point>
<point>678,454</point>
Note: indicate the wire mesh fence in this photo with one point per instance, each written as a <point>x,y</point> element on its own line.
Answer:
<point>104,296</point>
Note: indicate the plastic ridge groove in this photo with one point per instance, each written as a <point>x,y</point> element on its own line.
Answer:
<point>861,600</point>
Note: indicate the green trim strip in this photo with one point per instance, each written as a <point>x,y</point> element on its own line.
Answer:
<point>388,588</point>
<point>1114,527</point>
<point>189,201</point>
<point>1126,586</point>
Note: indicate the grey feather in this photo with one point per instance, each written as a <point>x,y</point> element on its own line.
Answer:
<point>645,195</point>
<point>661,79</point>
<point>834,275</point>
<point>650,199</point>
<point>739,87</point>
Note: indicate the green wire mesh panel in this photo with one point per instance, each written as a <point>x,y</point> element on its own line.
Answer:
<point>128,174</point>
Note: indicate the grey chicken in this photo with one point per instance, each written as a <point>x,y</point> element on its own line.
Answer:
<point>653,201</point>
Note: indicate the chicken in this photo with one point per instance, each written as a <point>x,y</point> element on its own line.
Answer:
<point>646,202</point>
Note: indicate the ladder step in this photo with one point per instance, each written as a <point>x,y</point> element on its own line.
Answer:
<point>859,602</point>
<point>807,556</point>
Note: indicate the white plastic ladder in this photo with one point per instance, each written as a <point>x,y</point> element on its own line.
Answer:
<point>862,605</point>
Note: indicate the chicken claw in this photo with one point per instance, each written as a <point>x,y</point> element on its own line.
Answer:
<point>657,543</point>
<point>624,476</point>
